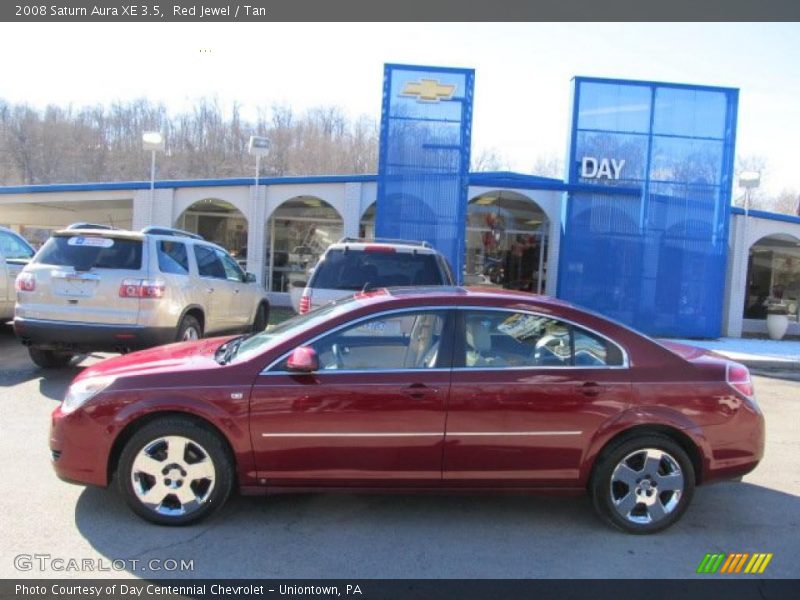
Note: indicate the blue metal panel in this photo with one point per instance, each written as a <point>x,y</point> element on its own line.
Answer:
<point>426,124</point>
<point>657,260</point>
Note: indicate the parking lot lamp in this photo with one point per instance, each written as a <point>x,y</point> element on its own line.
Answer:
<point>153,142</point>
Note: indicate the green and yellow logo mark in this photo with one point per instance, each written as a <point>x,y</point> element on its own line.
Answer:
<point>735,562</point>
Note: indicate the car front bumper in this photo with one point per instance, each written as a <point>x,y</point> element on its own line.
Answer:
<point>90,337</point>
<point>79,448</point>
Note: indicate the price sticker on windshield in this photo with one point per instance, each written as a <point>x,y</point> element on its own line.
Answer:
<point>91,242</point>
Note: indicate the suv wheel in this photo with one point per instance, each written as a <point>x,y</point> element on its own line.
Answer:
<point>175,471</point>
<point>49,359</point>
<point>189,329</point>
<point>262,317</point>
<point>643,484</point>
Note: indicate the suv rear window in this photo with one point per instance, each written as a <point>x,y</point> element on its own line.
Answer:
<point>354,269</point>
<point>105,253</point>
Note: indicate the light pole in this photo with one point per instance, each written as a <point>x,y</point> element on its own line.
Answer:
<point>153,141</point>
<point>259,146</point>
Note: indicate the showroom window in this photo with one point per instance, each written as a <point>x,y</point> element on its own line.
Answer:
<point>773,276</point>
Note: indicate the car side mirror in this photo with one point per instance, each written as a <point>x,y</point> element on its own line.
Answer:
<point>249,278</point>
<point>303,360</point>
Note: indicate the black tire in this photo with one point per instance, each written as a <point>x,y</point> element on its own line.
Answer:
<point>187,324</point>
<point>662,507</point>
<point>261,319</point>
<point>49,359</point>
<point>199,436</point>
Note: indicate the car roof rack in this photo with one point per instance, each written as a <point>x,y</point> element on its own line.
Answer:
<point>350,240</point>
<point>83,225</point>
<point>158,230</point>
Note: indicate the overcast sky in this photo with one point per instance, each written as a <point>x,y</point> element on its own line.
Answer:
<point>522,71</point>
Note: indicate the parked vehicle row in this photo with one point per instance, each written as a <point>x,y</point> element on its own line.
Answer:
<point>433,388</point>
<point>92,288</point>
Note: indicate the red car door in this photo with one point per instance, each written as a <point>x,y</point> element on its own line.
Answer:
<point>373,414</point>
<point>527,393</point>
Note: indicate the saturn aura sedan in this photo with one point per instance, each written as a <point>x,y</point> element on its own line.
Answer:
<point>412,389</point>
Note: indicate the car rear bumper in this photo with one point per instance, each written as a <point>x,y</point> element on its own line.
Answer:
<point>90,337</point>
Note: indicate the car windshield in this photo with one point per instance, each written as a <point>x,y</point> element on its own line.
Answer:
<point>86,252</point>
<point>270,338</point>
<point>354,270</point>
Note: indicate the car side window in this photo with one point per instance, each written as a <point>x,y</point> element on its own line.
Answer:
<point>173,257</point>
<point>498,339</point>
<point>593,351</point>
<point>208,262</point>
<point>232,270</point>
<point>406,341</point>
<point>11,247</point>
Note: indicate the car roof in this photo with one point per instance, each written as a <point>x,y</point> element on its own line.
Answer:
<point>112,233</point>
<point>435,293</point>
<point>409,247</point>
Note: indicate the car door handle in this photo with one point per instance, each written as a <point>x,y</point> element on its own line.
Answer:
<point>209,290</point>
<point>419,391</point>
<point>236,290</point>
<point>590,388</point>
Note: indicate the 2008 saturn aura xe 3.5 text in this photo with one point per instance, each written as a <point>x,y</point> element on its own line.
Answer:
<point>413,389</point>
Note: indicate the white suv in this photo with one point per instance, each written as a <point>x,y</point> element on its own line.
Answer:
<point>100,289</point>
<point>354,265</point>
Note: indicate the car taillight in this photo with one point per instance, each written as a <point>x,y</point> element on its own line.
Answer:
<point>305,304</point>
<point>141,288</point>
<point>25,282</point>
<point>738,378</point>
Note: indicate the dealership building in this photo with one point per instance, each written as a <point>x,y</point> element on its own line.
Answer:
<point>641,229</point>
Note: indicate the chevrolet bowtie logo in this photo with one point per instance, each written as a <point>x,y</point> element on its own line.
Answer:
<point>429,90</point>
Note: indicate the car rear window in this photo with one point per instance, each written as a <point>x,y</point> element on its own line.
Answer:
<point>87,252</point>
<point>353,270</point>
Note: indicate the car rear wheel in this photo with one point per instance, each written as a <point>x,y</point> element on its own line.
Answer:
<point>49,359</point>
<point>175,471</point>
<point>643,484</point>
<point>189,330</point>
<point>262,317</point>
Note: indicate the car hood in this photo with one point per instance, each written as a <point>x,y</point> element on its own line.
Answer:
<point>182,356</point>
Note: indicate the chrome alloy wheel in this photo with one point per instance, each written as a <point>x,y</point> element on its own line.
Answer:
<point>190,335</point>
<point>646,486</point>
<point>173,476</point>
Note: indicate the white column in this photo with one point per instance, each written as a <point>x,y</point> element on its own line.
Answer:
<point>737,281</point>
<point>256,215</point>
<point>352,208</point>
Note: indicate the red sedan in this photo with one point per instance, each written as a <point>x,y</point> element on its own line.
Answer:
<point>415,389</point>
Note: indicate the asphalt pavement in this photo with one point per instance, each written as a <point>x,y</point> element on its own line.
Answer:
<point>375,536</point>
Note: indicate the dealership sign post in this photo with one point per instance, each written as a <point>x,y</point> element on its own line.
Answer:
<point>426,123</point>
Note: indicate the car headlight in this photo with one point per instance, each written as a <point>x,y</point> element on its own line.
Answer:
<point>82,391</point>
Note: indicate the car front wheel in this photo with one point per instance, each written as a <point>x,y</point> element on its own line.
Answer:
<point>189,330</point>
<point>175,471</point>
<point>643,484</point>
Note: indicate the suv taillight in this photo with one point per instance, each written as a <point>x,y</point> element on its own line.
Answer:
<point>25,282</point>
<point>141,288</point>
<point>305,304</point>
<point>738,377</point>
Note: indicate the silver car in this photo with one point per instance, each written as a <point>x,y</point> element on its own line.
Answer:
<point>92,289</point>
<point>15,253</point>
